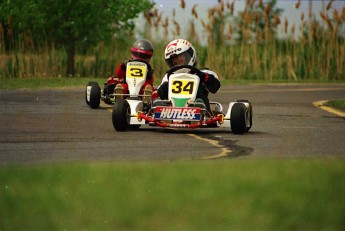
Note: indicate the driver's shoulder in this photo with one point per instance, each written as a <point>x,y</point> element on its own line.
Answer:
<point>208,71</point>
<point>165,78</point>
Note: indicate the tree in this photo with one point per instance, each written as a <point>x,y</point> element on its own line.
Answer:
<point>70,23</point>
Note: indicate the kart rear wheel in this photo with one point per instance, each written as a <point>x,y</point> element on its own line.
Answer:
<point>95,96</point>
<point>121,115</point>
<point>91,83</point>
<point>238,118</point>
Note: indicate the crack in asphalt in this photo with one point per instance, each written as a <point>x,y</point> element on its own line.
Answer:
<point>236,150</point>
<point>229,148</point>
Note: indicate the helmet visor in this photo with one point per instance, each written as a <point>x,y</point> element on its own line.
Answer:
<point>141,54</point>
<point>180,59</point>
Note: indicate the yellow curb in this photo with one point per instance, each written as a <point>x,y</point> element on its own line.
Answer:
<point>320,104</point>
<point>224,151</point>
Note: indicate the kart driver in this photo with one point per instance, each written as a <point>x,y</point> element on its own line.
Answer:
<point>182,52</point>
<point>142,50</point>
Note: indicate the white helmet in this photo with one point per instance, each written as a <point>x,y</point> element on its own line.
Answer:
<point>179,47</point>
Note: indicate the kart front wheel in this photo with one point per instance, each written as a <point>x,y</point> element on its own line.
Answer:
<point>238,118</point>
<point>121,115</point>
<point>95,96</point>
<point>87,94</point>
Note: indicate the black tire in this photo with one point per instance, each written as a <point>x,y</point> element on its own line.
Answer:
<point>121,115</point>
<point>250,113</point>
<point>238,118</point>
<point>95,96</point>
<point>91,83</point>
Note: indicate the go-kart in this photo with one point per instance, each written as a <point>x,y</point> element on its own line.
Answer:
<point>136,74</point>
<point>182,109</point>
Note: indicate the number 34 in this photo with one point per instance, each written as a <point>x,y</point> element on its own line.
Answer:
<point>183,87</point>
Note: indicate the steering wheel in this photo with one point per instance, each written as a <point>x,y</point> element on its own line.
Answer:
<point>193,69</point>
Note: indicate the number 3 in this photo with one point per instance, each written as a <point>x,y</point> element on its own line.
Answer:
<point>136,72</point>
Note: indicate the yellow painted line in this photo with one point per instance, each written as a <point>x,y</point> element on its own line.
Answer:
<point>224,151</point>
<point>320,105</point>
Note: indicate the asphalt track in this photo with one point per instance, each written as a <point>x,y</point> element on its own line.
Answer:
<point>56,125</point>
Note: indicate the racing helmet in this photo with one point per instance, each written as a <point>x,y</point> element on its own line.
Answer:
<point>142,49</point>
<point>180,48</point>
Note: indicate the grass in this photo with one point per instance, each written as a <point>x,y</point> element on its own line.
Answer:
<point>337,104</point>
<point>43,83</point>
<point>266,194</point>
<point>39,83</point>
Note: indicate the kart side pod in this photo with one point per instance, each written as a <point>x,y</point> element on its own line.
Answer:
<point>240,115</point>
<point>135,107</point>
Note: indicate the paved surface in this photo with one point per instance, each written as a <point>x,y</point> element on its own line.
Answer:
<point>45,126</point>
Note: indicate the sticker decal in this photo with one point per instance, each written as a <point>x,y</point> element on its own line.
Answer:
<point>136,70</point>
<point>189,114</point>
<point>183,87</point>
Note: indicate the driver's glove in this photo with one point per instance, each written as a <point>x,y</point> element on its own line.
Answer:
<point>203,76</point>
<point>163,91</point>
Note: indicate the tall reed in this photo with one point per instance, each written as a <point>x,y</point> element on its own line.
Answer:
<point>245,46</point>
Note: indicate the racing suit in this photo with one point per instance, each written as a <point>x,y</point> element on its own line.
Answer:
<point>120,77</point>
<point>209,82</point>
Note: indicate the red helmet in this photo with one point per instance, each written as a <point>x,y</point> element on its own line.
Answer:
<point>142,49</point>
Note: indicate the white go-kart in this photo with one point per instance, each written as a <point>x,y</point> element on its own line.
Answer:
<point>181,110</point>
<point>136,74</point>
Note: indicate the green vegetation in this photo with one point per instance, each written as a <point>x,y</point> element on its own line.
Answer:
<point>41,83</point>
<point>43,28</point>
<point>337,104</point>
<point>68,82</point>
<point>245,45</point>
<point>304,194</point>
<point>241,46</point>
